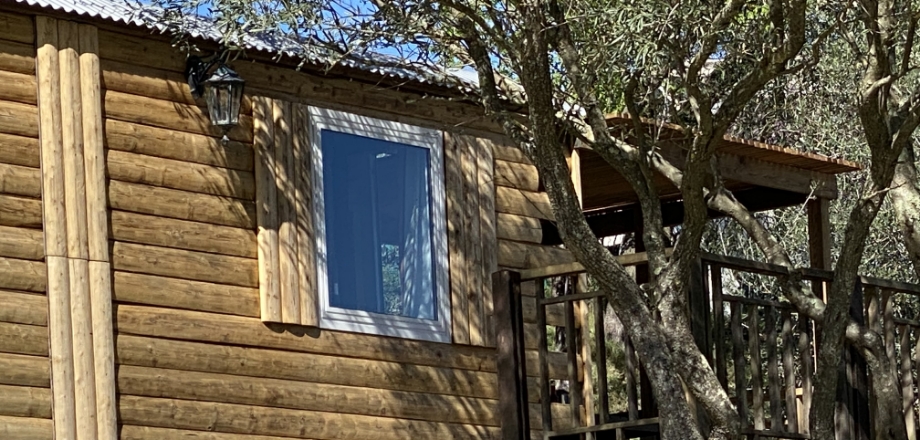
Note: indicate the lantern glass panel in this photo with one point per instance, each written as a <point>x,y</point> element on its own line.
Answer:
<point>223,94</point>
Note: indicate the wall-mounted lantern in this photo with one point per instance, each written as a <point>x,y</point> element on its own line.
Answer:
<point>222,90</point>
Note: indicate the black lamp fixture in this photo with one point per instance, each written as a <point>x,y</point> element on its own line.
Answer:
<point>222,88</point>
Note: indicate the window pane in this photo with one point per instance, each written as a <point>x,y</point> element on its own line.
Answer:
<point>378,226</point>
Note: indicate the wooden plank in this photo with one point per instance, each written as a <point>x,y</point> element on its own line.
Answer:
<point>489,240</point>
<point>304,367</point>
<point>153,290</point>
<point>275,393</point>
<point>600,338</point>
<point>512,404</point>
<point>544,368</point>
<point>72,141</point>
<point>456,234</point>
<point>181,205</point>
<point>303,202</point>
<point>177,145</point>
<point>773,380</point>
<point>555,313</point>
<point>718,324</point>
<point>19,150</point>
<point>24,275</point>
<point>517,175</point>
<point>21,401</point>
<point>30,371</point>
<point>180,234</point>
<point>574,268</point>
<point>190,265</point>
<point>243,331</point>
<point>18,28</point>
<point>573,367</point>
<point>907,383</point>
<point>22,243</point>
<point>17,57</point>
<point>738,356</point>
<point>472,239</point>
<point>792,423</point>
<point>186,176</point>
<point>171,115</point>
<point>23,308</point>
<point>23,119</point>
<point>528,256</point>
<point>287,212</point>
<point>267,210</point>
<point>21,212</point>
<point>20,181</point>
<point>23,339</point>
<point>518,228</point>
<point>18,87</point>
<point>130,432</point>
<point>807,366</point>
<point>526,203</point>
<point>25,428</point>
<point>888,323</point>
<point>242,419</point>
<point>632,378</point>
<point>509,152</point>
<point>756,364</point>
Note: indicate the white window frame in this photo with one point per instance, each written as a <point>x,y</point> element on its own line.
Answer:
<point>337,318</point>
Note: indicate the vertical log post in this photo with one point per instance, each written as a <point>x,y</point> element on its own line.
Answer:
<point>512,375</point>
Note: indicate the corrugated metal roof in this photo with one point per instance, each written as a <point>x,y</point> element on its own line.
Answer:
<point>133,13</point>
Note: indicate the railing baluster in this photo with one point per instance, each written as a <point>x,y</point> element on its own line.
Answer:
<point>907,384</point>
<point>738,355</point>
<point>776,406</point>
<point>546,404</point>
<point>756,373</point>
<point>632,372</point>
<point>792,420</point>
<point>603,406</point>
<point>888,318</point>
<point>805,352</point>
<point>571,351</point>
<point>718,323</point>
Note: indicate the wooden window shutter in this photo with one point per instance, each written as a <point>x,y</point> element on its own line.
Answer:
<point>472,245</point>
<point>284,195</point>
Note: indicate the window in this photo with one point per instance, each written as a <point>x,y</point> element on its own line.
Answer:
<point>381,226</point>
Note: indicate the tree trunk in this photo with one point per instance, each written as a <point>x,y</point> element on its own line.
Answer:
<point>905,198</point>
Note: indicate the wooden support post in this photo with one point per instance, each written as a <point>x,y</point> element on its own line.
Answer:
<point>512,375</point>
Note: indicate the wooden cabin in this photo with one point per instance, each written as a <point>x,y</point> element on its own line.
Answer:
<point>325,272</point>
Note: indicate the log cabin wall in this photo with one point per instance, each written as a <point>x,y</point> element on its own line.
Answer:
<point>25,374</point>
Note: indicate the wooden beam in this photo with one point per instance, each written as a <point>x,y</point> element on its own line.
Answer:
<point>819,234</point>
<point>512,374</point>
<point>20,369</point>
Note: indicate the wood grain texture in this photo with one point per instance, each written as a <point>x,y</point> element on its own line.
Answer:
<point>170,115</point>
<point>82,337</point>
<point>177,263</point>
<point>168,173</point>
<point>17,27</point>
<point>472,240</point>
<point>275,393</point>
<point>19,150</point>
<point>177,145</point>
<point>72,140</point>
<point>16,274</point>
<point>52,150</point>
<point>517,175</point>
<point>130,432</point>
<point>287,212</point>
<point>181,205</point>
<point>23,308</point>
<point>303,202</point>
<point>527,256</point>
<point>18,87</point>
<point>153,290</point>
<point>23,339</point>
<point>20,181</point>
<point>488,239</point>
<point>103,349</point>
<point>267,210</point>
<point>22,119</point>
<point>304,367</point>
<point>526,203</point>
<point>22,401</point>
<point>17,57</point>
<point>93,146</point>
<point>456,239</point>
<point>181,234</point>
<point>25,428</point>
<point>236,330</point>
<point>243,419</point>
<point>518,228</point>
<point>31,371</point>
<point>21,212</point>
<point>509,152</point>
<point>22,243</point>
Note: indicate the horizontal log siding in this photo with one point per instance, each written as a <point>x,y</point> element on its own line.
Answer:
<point>25,398</point>
<point>190,341</point>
